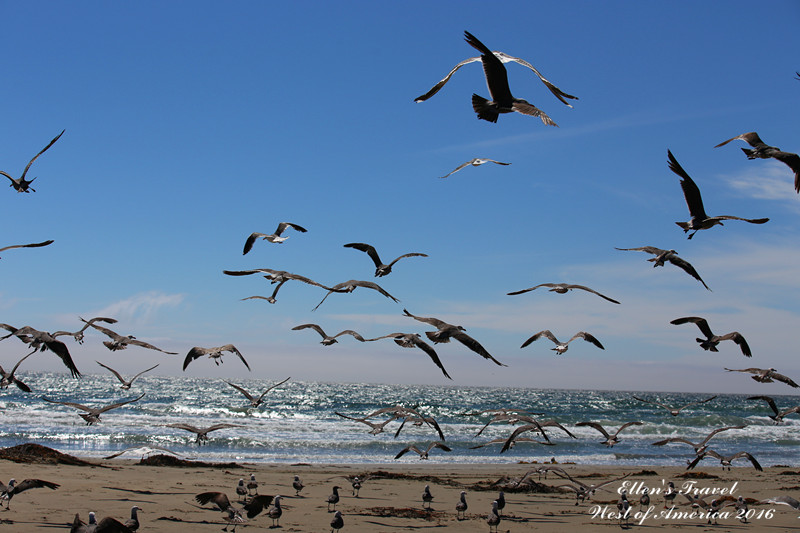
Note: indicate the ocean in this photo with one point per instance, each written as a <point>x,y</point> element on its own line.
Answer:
<point>297,422</point>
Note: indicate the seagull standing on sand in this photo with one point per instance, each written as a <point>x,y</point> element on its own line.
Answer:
<point>562,347</point>
<point>563,288</point>
<point>668,255</point>
<point>333,498</point>
<point>494,517</point>
<point>232,514</point>
<point>337,522</point>
<point>212,353</point>
<point>427,497</point>
<point>273,237</point>
<point>106,525</point>
<point>447,331</point>
<point>497,81</point>
<point>381,269</point>
<point>297,485</point>
<point>691,193</point>
<point>23,185</point>
<point>762,150</point>
<point>711,340</point>
<point>461,507</point>
<point>133,522</point>
<point>475,162</point>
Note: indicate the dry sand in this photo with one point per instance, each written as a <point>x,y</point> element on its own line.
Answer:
<point>389,501</point>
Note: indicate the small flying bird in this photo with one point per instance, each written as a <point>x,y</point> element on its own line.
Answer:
<point>562,347</point>
<point>505,58</point>
<point>297,485</point>
<point>327,340</point>
<point>233,515</point>
<point>79,335</point>
<point>447,331</point>
<point>92,414</point>
<point>672,410</point>
<point>381,269</point>
<point>144,450</point>
<point>725,461</point>
<point>274,237</point>
<point>212,353</point>
<point>423,454</point>
<point>41,341</point>
<point>202,433</point>
<point>337,522</point>
<point>353,284</point>
<point>563,288</point>
<point>761,150</point>
<point>414,340</point>
<point>274,276</point>
<point>125,384</point>
<point>121,342</point>
<point>475,162</point>
<point>582,490</point>
<point>502,440</point>
<point>23,185</point>
<point>418,421</point>
<point>702,445</point>
<point>8,377</point>
<point>765,375</point>
<point>375,428</point>
<point>497,81</point>
<point>668,255</point>
<point>513,418</point>
<point>255,402</point>
<point>34,245</point>
<point>461,506</point>
<point>711,340</point>
<point>106,525</point>
<point>8,491</point>
<point>779,414</point>
<point>514,437</point>
<point>611,440</point>
<point>700,220</point>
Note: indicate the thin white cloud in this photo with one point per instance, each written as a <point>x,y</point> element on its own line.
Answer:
<point>139,308</point>
<point>768,180</point>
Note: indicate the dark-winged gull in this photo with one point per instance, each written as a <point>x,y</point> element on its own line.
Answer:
<point>427,497</point>
<point>381,269</point>
<point>475,162</point>
<point>23,185</point>
<point>611,440</point>
<point>252,486</point>
<point>106,525</point>
<point>297,485</point>
<point>674,411</point>
<point>9,377</point>
<point>92,414</point>
<point>337,522</point>
<point>711,340</point>
<point>562,347</point>
<point>79,335</point>
<point>582,490</point>
<point>275,511</point>
<point>725,460</point>
<point>255,402</point>
<point>274,276</point>
<point>563,288</point>
<point>120,342</point>
<point>514,437</point>
<point>497,81</point>
<point>133,522</point>
<point>273,237</point>
<point>514,418</point>
<point>418,421</point>
<point>691,193</point>
<point>780,414</point>
<point>233,515</point>
<point>423,454</point>
<point>333,498</point>
<point>765,375</point>
<point>241,490</point>
<point>702,445</point>
<point>375,428</point>
<point>327,340</point>
<point>414,340</point>
<point>668,255</point>
<point>461,506</point>
<point>213,353</point>
<point>42,340</point>
<point>33,245</point>
<point>447,331</point>
<point>494,517</point>
<point>202,433</point>
<point>8,491</point>
<point>125,384</point>
<point>762,150</point>
<point>353,284</point>
<point>782,500</point>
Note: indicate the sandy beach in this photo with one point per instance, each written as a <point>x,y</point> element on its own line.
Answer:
<point>390,499</point>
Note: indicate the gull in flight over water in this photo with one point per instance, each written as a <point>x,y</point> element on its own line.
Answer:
<point>779,415</point>
<point>725,461</point>
<point>202,433</point>
<point>23,185</point>
<point>474,162</point>
<point>562,347</point>
<point>120,342</point>
<point>765,375</point>
<point>414,340</point>
<point>92,414</point>
<point>255,402</point>
<point>611,440</point>
<point>702,445</point>
<point>672,410</point>
<point>691,193</point>
<point>423,454</point>
<point>563,288</point>
<point>212,353</point>
<point>125,384</point>
<point>762,150</point>
<point>353,284</point>
<point>711,340</point>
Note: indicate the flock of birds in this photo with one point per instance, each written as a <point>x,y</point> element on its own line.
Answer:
<point>502,102</point>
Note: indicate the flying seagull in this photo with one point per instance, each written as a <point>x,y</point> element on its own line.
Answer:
<point>255,402</point>
<point>353,284</point>
<point>274,237</point>
<point>125,384</point>
<point>213,353</point>
<point>23,185</point>
<point>779,415</point>
<point>725,461</point>
<point>582,490</point>
<point>672,410</point>
<point>611,440</point>
<point>92,414</point>
<point>667,255</point>
<point>765,375</point>
<point>33,245</point>
<point>233,515</point>
<point>474,162</point>
<point>562,347</point>
<point>563,288</point>
<point>8,377</point>
<point>447,331</point>
<point>761,150</point>
<point>702,445</point>
<point>42,340</point>
<point>274,276</point>
<point>381,269</point>
<point>414,340</point>
<point>423,454</point>
<point>8,491</point>
<point>375,428</point>
<point>711,340</point>
<point>78,335</point>
<point>497,81</point>
<point>327,340</point>
<point>202,433</point>
<point>120,342</point>
<point>700,220</point>
<point>514,437</point>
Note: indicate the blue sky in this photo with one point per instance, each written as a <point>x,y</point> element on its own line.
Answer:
<point>190,125</point>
